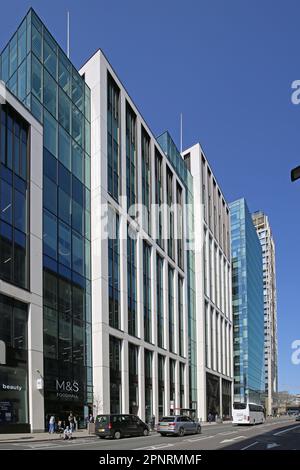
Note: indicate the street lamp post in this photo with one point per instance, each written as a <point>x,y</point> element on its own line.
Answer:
<point>295,173</point>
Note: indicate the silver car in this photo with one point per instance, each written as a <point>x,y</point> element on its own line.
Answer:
<point>178,426</point>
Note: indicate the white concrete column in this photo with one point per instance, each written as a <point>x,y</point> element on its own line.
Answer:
<point>140,286</point>
<point>175,214</point>
<point>123,274</point>
<point>125,376</point>
<point>153,219</point>
<point>176,314</point>
<point>167,387</point>
<point>208,335</point>
<point>165,280</point>
<point>141,369</point>
<point>177,388</point>
<point>221,398</point>
<point>186,386</point>
<point>219,344</point>
<point>153,295</point>
<point>223,348</point>
<point>35,310</point>
<point>101,375</point>
<point>214,358</point>
<point>212,271</point>
<point>155,384</point>
<point>227,350</point>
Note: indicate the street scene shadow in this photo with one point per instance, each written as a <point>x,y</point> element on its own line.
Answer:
<point>283,438</point>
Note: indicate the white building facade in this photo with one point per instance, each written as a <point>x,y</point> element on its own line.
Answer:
<point>213,290</point>
<point>264,232</point>
<point>139,271</point>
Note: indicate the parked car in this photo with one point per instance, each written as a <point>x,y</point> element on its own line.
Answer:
<point>178,425</point>
<point>298,417</point>
<point>120,425</point>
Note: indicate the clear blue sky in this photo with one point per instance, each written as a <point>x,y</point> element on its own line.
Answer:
<point>228,66</point>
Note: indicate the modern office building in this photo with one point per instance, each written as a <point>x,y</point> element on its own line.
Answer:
<point>21,295</point>
<point>213,289</point>
<point>45,250</point>
<point>140,281</point>
<point>264,232</point>
<point>108,301</point>
<point>248,306</point>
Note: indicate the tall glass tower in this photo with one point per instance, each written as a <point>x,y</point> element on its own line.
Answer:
<point>37,71</point>
<point>264,232</point>
<point>248,306</point>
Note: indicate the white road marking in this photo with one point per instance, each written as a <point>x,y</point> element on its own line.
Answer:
<point>198,438</point>
<point>158,446</point>
<point>272,444</point>
<point>233,439</point>
<point>285,430</point>
<point>227,433</point>
<point>42,446</point>
<point>250,445</point>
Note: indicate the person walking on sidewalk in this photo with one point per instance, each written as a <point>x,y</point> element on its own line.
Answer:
<point>52,424</point>
<point>71,420</point>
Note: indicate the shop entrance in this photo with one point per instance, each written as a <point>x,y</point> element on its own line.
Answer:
<point>62,410</point>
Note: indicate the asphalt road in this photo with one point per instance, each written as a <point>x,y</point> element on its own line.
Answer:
<point>282,434</point>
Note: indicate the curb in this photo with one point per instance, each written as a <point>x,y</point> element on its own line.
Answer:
<point>33,440</point>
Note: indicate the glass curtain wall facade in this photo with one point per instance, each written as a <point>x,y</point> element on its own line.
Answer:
<point>132,284</point>
<point>159,197</point>
<point>133,352</point>
<point>14,198</point>
<point>114,270</point>
<point>180,317</point>
<point>213,394</point>
<point>170,203</point>
<point>14,413</point>
<point>113,138</point>
<point>147,292</point>
<point>160,301</point>
<point>39,74</point>
<point>148,386</point>
<point>146,180</point>
<point>161,385</point>
<point>248,306</point>
<point>115,375</point>
<point>171,309</point>
<point>130,157</point>
<point>179,226</point>
<point>172,384</point>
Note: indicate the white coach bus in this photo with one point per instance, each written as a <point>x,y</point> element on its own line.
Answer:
<point>248,413</point>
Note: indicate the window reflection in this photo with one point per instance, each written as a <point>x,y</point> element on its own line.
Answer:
<point>13,200</point>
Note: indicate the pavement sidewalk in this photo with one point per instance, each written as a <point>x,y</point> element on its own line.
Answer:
<point>41,436</point>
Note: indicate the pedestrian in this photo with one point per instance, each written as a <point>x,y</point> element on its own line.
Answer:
<point>91,418</point>
<point>210,417</point>
<point>67,433</point>
<point>52,424</point>
<point>71,420</point>
<point>60,428</point>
